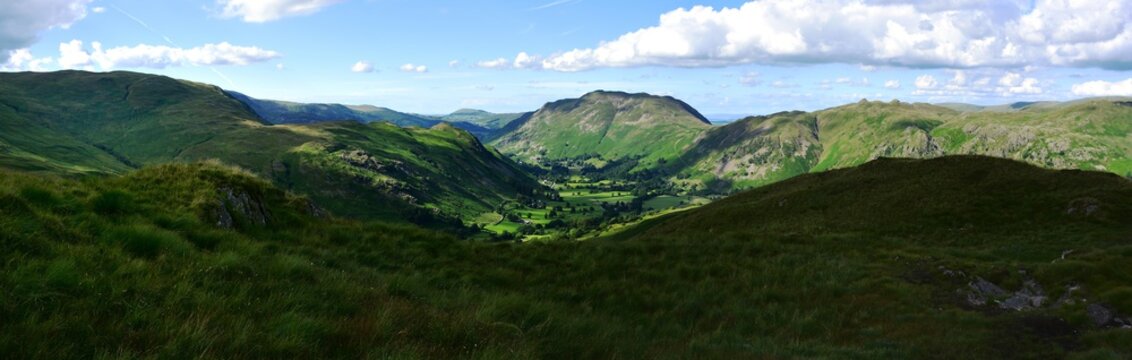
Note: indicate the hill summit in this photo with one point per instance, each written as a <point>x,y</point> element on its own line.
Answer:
<point>606,124</point>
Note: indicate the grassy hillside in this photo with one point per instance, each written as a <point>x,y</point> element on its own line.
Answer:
<point>852,263</point>
<point>609,125</point>
<point>287,112</point>
<point>884,255</point>
<point>487,120</point>
<point>1087,134</point>
<point>81,122</point>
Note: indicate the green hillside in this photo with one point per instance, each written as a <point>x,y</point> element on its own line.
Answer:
<point>890,251</point>
<point>1088,134</point>
<point>287,112</point>
<point>606,125</point>
<point>487,120</point>
<point>878,261</point>
<point>81,122</point>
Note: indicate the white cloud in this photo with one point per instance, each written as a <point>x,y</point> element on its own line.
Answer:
<point>362,67</point>
<point>868,68</point>
<point>1010,79</point>
<point>1014,83</point>
<point>959,80</point>
<point>949,34</point>
<point>499,63</point>
<point>72,55</point>
<point>280,66</point>
<point>925,82</point>
<point>1103,88</point>
<point>1006,84</point>
<point>843,80</point>
<point>523,60</point>
<point>1028,86</point>
<point>414,68</point>
<point>22,21</point>
<point>892,84</point>
<point>454,63</point>
<point>259,11</point>
<point>97,9</point>
<point>23,60</point>
<point>750,78</point>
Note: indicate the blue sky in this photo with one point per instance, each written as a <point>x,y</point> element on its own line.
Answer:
<point>722,57</point>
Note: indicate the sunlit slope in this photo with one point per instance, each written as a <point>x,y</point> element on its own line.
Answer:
<point>611,125</point>
<point>82,122</point>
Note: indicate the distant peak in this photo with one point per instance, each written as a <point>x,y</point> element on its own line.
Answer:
<point>597,95</point>
<point>469,111</point>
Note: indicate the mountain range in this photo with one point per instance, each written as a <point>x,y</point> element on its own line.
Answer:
<point>74,122</point>
<point>145,216</point>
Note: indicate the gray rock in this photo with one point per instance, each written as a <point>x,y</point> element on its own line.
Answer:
<point>239,203</point>
<point>1083,207</point>
<point>982,286</point>
<point>982,291</point>
<point>1100,314</point>
<point>1032,296</point>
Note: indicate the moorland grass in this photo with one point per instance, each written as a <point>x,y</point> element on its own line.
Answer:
<point>740,278</point>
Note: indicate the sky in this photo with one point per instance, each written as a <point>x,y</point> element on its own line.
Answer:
<point>722,57</point>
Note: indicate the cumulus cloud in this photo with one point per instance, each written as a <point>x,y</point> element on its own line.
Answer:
<point>499,63</point>
<point>524,60</point>
<point>98,10</point>
<point>925,82</point>
<point>1014,83</point>
<point>23,60</point>
<point>22,21</point>
<point>72,55</point>
<point>1103,88</point>
<point>362,67</point>
<point>892,84</point>
<point>454,63</point>
<point>414,68</point>
<point>259,11</point>
<point>936,33</point>
<point>981,84</point>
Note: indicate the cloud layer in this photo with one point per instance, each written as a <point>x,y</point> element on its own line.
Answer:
<point>22,21</point>
<point>259,11</point>
<point>1104,88</point>
<point>73,55</point>
<point>940,34</point>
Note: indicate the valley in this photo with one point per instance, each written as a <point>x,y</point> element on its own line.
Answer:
<point>607,226</point>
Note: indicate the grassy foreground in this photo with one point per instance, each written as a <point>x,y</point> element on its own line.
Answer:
<point>846,264</point>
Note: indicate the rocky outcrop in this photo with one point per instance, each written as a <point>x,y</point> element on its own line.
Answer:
<point>237,205</point>
<point>1104,316</point>
<point>981,293</point>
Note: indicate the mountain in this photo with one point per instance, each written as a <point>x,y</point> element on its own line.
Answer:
<point>286,112</point>
<point>956,257</point>
<point>607,125</point>
<point>80,122</point>
<point>481,118</point>
<point>1087,134</point>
